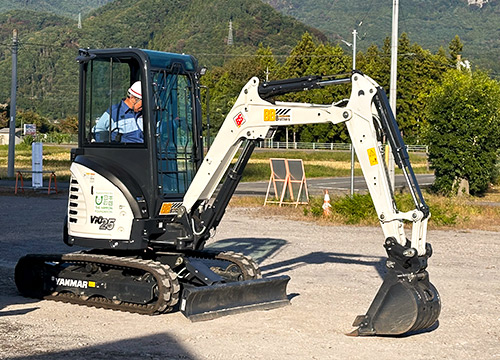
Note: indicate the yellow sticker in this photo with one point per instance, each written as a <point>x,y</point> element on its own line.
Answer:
<point>372,155</point>
<point>269,114</point>
<point>91,284</point>
<point>165,208</point>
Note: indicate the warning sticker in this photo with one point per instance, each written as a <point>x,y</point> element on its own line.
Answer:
<point>372,156</point>
<point>170,208</point>
<point>165,208</point>
<point>239,119</point>
<point>103,202</point>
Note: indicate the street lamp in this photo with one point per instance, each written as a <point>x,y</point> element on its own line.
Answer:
<point>393,80</point>
<point>354,36</point>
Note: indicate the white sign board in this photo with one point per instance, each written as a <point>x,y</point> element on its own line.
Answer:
<point>36,164</point>
<point>30,129</point>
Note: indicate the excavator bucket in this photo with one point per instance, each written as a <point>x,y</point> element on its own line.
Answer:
<point>403,304</point>
<point>210,302</point>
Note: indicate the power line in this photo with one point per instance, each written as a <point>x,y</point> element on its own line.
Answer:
<point>369,11</point>
<point>271,56</point>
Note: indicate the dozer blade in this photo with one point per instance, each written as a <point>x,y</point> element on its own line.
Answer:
<point>210,302</point>
<point>405,303</point>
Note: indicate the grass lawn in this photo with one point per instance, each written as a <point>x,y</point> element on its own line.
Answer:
<point>319,163</point>
<point>55,158</point>
<point>464,213</point>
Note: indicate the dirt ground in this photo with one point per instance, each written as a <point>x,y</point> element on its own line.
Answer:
<point>335,272</point>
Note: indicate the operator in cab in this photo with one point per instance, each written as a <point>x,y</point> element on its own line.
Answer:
<point>126,124</point>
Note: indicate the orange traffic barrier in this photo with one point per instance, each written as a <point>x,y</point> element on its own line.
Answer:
<point>20,180</point>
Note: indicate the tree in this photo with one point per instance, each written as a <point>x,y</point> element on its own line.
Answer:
<point>456,46</point>
<point>267,62</point>
<point>30,117</point>
<point>68,125</point>
<point>226,83</point>
<point>464,131</point>
<point>297,64</point>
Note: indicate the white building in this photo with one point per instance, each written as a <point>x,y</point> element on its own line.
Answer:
<point>479,3</point>
<point>4,136</point>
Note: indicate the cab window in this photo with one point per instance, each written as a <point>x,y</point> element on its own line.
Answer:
<point>108,120</point>
<point>173,115</point>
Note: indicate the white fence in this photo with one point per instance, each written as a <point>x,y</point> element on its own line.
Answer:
<point>270,144</point>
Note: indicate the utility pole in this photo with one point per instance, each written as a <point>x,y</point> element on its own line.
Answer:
<point>354,34</point>
<point>394,74</point>
<point>12,121</point>
<point>230,33</point>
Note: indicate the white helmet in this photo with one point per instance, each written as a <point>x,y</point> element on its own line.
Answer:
<point>136,90</point>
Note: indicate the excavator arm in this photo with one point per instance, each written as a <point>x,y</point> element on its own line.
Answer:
<point>365,115</point>
<point>406,301</point>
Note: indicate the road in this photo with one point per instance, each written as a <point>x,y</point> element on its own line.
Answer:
<point>316,186</point>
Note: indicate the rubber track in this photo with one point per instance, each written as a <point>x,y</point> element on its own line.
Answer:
<point>248,266</point>
<point>166,279</point>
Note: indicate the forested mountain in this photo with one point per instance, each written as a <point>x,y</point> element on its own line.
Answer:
<point>27,22</point>
<point>61,7</point>
<point>430,23</point>
<point>48,74</point>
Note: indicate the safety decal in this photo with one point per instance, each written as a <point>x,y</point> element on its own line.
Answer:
<point>90,176</point>
<point>277,114</point>
<point>169,208</point>
<point>372,156</point>
<point>239,119</point>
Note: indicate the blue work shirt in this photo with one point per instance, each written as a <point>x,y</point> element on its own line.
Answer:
<point>124,121</point>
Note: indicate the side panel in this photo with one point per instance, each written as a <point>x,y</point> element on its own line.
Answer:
<point>96,208</point>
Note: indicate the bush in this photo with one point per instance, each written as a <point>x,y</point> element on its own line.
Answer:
<point>360,210</point>
<point>355,209</point>
<point>28,140</point>
<point>58,138</point>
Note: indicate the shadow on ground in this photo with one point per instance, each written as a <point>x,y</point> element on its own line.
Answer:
<point>320,257</point>
<point>9,294</point>
<point>258,248</point>
<point>159,346</point>
<point>261,249</point>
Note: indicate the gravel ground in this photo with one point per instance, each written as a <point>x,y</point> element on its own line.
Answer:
<point>335,272</point>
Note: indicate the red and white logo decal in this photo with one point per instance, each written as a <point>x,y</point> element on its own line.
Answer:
<point>239,119</point>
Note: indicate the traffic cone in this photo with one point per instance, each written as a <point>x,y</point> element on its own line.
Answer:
<point>326,204</point>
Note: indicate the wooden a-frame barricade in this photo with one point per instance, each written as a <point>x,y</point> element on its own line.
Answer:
<point>288,180</point>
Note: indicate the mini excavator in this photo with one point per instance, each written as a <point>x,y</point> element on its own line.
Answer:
<point>144,211</point>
